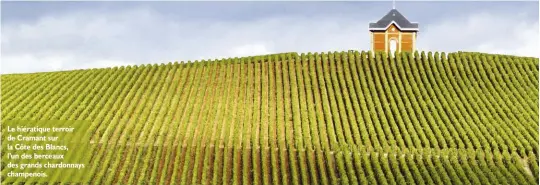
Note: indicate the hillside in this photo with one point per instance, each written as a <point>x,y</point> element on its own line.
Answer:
<point>323,118</point>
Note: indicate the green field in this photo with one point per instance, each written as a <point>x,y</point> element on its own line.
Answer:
<point>313,118</point>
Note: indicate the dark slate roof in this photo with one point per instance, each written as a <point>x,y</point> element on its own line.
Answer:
<point>396,17</point>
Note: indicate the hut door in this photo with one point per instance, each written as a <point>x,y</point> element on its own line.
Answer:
<point>393,46</point>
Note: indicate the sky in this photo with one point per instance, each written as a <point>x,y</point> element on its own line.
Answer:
<point>52,36</point>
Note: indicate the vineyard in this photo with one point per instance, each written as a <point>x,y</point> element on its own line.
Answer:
<point>315,118</point>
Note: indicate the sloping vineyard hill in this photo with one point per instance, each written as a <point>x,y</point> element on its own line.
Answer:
<point>315,118</point>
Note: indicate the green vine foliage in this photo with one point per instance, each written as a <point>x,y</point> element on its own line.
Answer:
<point>354,117</point>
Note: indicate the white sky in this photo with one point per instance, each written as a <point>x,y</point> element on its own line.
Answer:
<point>77,36</point>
